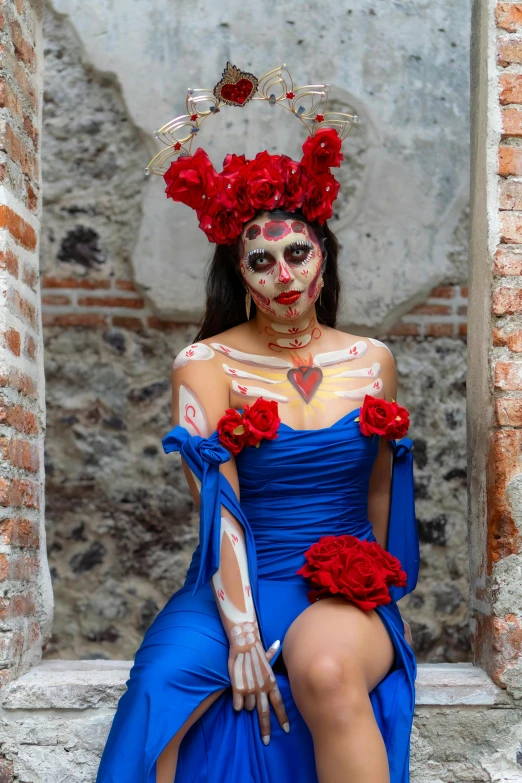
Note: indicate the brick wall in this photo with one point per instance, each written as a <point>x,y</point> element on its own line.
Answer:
<point>495,344</point>
<point>25,599</point>
<point>114,302</point>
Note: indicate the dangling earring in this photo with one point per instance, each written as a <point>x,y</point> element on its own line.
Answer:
<point>321,292</point>
<point>248,302</point>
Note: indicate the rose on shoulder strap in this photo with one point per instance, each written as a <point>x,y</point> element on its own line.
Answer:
<point>256,423</point>
<point>384,418</point>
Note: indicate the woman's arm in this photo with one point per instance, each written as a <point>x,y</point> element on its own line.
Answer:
<point>200,397</point>
<point>379,493</point>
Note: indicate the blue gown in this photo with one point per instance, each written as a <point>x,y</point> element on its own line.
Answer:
<point>294,489</point>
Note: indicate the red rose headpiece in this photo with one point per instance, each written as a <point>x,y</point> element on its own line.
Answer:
<point>225,202</point>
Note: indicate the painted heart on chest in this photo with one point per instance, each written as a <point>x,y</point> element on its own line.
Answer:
<point>306,380</point>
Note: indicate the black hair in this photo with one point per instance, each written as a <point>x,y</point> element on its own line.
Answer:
<point>225,290</point>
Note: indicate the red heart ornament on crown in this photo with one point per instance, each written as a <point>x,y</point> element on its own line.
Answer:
<point>238,92</point>
<point>236,87</point>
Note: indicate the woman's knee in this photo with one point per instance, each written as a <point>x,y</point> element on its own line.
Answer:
<point>329,689</point>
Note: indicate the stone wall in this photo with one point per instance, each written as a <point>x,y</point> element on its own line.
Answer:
<point>54,722</point>
<point>119,518</point>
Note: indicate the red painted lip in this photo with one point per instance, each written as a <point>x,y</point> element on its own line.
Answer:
<point>287,297</point>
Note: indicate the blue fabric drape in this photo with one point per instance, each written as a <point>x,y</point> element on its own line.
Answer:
<point>293,489</point>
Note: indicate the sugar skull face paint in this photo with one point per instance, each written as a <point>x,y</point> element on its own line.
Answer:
<point>280,261</point>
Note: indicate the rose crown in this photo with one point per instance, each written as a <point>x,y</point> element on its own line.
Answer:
<point>224,202</point>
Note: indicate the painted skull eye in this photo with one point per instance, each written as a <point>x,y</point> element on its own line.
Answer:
<point>258,260</point>
<point>299,252</point>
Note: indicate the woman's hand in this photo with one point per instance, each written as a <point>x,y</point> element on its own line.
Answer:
<point>253,681</point>
<point>407,633</point>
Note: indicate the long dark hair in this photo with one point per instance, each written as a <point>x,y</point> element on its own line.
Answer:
<point>225,291</point>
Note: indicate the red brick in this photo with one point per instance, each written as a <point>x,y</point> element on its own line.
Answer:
<point>511,227</point>
<point>56,299</point>
<point>88,320</point>
<point>510,194</point>
<point>20,532</point>
<point>6,767</point>
<point>509,49</point>
<point>18,417</point>
<point>30,276</point>
<point>503,538</point>
<point>125,285</point>
<point>20,381</point>
<point>30,347</point>
<point>508,261</point>
<point>18,492</point>
<point>509,16</point>
<point>509,161</point>
<point>127,322</point>
<point>442,292</point>
<point>430,309</point>
<point>18,566</point>
<point>111,301</point>
<point>512,122</point>
<point>24,309</point>
<point>405,329</point>
<point>509,412</point>
<point>513,340</point>
<point>20,453</point>
<point>24,49</point>
<point>31,198</point>
<point>464,290</point>
<point>21,231</point>
<point>12,341</point>
<point>9,261</point>
<point>438,330</point>
<point>72,282</point>
<point>507,301</point>
<point>463,330</point>
<point>17,151</point>
<point>462,310</point>
<point>159,323</point>
<point>510,88</point>
<point>22,605</point>
<point>508,376</point>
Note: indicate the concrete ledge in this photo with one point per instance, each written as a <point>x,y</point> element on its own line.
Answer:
<point>80,685</point>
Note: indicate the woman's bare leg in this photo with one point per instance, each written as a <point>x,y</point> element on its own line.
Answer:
<point>335,655</point>
<point>168,760</point>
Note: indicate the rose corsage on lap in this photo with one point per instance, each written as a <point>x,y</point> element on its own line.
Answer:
<point>257,422</point>
<point>359,571</point>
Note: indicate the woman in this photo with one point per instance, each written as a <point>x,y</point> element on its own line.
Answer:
<point>240,678</point>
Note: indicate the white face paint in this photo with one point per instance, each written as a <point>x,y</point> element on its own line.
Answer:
<point>195,352</point>
<point>191,413</point>
<point>229,609</point>
<point>280,262</point>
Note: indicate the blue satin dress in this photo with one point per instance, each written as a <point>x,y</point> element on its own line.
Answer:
<point>294,489</point>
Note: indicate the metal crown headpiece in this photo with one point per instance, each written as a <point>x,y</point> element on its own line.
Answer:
<point>237,88</point>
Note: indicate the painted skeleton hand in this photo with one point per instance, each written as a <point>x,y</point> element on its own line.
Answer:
<point>253,681</point>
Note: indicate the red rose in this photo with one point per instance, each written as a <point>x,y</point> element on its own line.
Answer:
<point>322,151</point>
<point>221,225</point>
<point>233,193</point>
<point>399,426</point>
<point>231,430</point>
<point>295,180</point>
<point>265,184</point>
<point>320,194</point>
<point>191,179</point>
<point>360,571</point>
<point>261,420</point>
<point>389,565</point>
<point>380,417</point>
